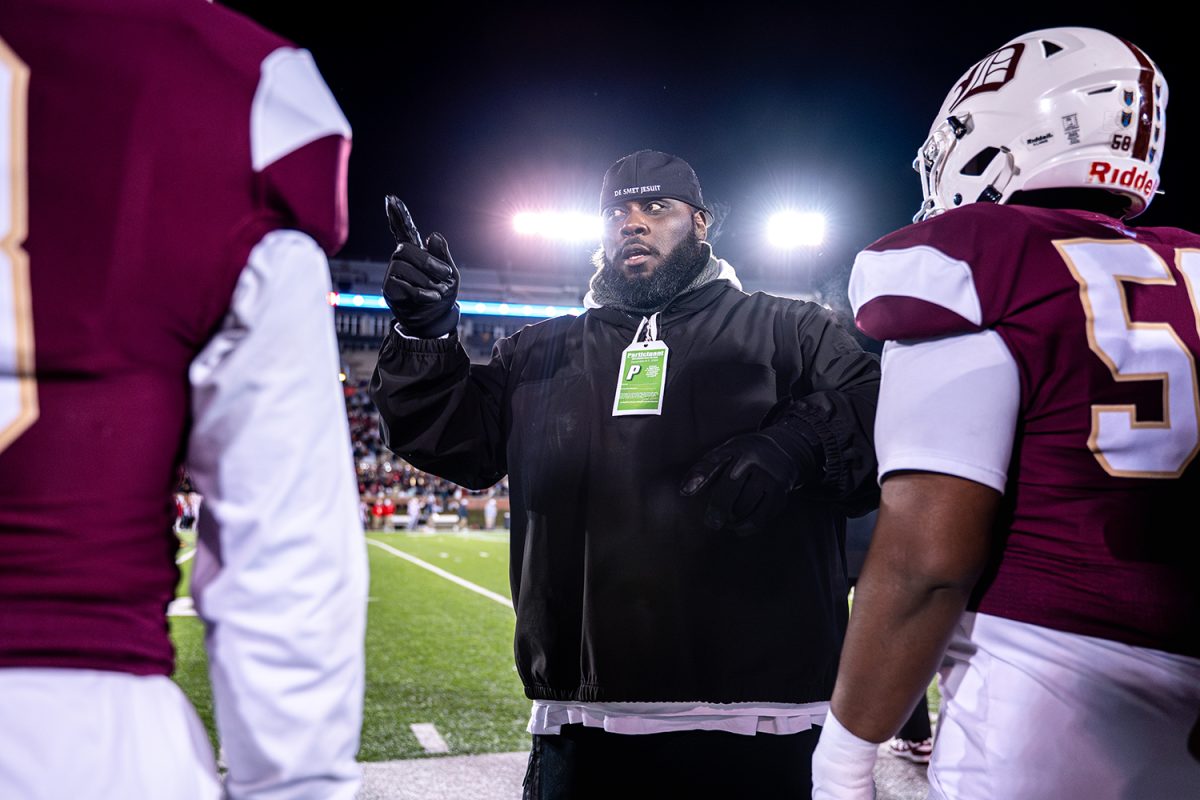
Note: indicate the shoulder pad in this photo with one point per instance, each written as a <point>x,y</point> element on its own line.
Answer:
<point>300,147</point>
<point>950,274</point>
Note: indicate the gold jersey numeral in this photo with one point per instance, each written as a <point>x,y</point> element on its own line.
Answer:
<point>1123,444</point>
<point>18,385</point>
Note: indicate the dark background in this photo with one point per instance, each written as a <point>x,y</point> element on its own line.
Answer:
<point>473,116</point>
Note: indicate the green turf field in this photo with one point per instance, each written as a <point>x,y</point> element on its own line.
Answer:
<point>436,652</point>
<point>439,653</point>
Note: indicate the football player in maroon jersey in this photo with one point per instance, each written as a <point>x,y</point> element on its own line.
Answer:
<point>171,179</point>
<point>1038,425</point>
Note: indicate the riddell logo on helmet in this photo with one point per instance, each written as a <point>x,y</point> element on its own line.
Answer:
<point>1137,179</point>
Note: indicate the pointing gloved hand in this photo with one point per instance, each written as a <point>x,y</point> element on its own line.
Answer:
<point>421,285</point>
<point>749,477</point>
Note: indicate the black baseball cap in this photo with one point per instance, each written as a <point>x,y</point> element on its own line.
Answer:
<point>647,174</point>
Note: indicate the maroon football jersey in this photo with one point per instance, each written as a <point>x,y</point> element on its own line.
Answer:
<point>150,157</point>
<point>1102,323</point>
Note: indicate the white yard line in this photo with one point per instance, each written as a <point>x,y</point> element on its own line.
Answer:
<point>429,738</point>
<point>488,593</point>
<point>181,607</point>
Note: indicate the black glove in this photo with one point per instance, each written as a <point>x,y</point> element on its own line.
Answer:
<point>749,477</point>
<point>421,285</point>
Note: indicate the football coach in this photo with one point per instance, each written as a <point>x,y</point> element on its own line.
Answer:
<point>681,458</point>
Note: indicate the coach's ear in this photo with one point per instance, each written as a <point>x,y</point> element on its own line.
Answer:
<point>700,224</point>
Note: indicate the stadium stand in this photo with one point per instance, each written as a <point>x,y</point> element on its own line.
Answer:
<point>388,484</point>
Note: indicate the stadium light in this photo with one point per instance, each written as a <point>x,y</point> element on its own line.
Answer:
<point>791,229</point>
<point>564,226</point>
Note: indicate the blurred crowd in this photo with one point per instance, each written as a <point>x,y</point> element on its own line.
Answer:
<point>396,494</point>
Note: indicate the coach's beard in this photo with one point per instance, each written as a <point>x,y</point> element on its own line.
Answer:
<point>646,294</point>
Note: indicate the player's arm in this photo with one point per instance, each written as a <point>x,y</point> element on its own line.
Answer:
<point>930,546</point>
<point>280,575</point>
<point>947,415</point>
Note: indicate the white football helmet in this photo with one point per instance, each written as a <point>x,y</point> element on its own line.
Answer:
<point>1056,108</point>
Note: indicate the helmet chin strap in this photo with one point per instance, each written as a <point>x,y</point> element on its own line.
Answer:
<point>995,192</point>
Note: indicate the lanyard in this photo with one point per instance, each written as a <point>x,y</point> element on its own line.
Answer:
<point>650,325</point>
<point>643,373</point>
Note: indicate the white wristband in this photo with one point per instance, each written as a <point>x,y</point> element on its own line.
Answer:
<point>402,334</point>
<point>842,764</point>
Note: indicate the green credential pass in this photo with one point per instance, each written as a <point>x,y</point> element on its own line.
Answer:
<point>643,376</point>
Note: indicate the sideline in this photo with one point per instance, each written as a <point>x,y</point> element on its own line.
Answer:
<point>488,593</point>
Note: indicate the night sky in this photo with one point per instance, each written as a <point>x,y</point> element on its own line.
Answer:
<point>470,117</point>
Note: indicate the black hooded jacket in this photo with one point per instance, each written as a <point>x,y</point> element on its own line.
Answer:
<point>621,593</point>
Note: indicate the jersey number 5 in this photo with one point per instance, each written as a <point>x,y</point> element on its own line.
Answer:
<point>18,388</point>
<point>1138,351</point>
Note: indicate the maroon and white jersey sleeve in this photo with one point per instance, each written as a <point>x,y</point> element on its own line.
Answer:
<point>948,405</point>
<point>280,576</point>
<point>1100,324</point>
<point>951,274</point>
<point>299,148</point>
